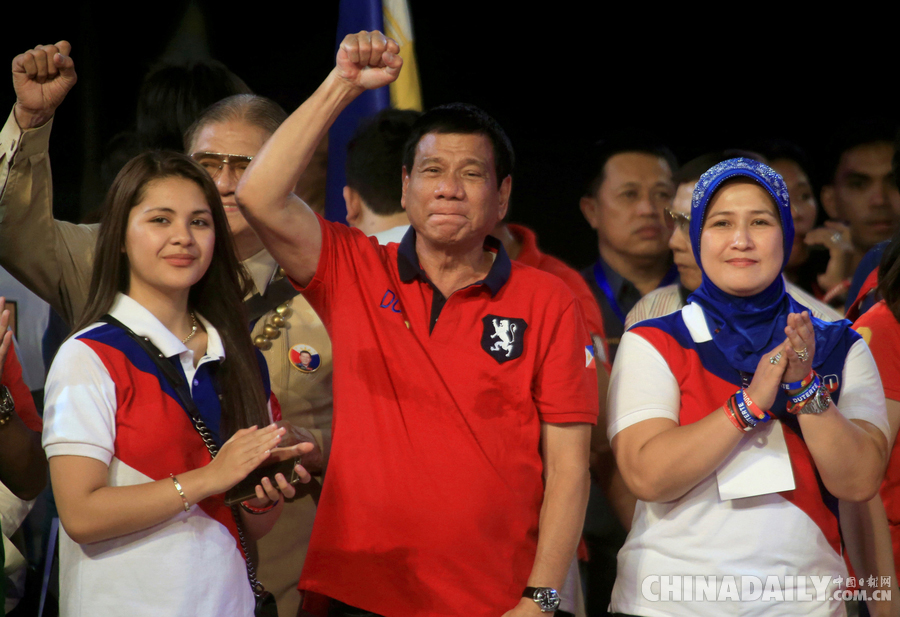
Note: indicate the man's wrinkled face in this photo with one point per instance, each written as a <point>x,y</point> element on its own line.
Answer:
<point>451,194</point>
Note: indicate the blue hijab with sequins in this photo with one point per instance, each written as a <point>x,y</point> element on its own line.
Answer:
<point>745,327</point>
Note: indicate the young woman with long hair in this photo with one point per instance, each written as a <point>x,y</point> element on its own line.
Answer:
<point>139,493</point>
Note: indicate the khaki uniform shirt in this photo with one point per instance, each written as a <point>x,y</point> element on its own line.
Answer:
<point>55,259</point>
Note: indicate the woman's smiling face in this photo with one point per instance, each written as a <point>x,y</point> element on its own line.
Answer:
<point>741,246</point>
<point>169,237</point>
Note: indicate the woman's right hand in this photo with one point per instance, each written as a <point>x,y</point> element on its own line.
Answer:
<point>240,455</point>
<point>766,381</point>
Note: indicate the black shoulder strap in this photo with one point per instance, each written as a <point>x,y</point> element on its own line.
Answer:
<point>174,378</point>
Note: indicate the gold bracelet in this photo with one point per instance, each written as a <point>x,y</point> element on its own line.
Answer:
<point>178,488</point>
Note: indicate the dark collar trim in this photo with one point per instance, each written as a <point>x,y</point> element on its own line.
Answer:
<point>408,262</point>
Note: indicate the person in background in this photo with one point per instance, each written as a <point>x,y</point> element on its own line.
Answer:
<point>171,97</point>
<point>880,328</point>
<point>628,186</point>
<point>374,175</point>
<point>23,468</point>
<point>859,191</point>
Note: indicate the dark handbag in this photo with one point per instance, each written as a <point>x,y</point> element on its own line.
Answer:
<point>265,601</point>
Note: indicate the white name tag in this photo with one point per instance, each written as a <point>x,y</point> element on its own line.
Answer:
<point>759,465</point>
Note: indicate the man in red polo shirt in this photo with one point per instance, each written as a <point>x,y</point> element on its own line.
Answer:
<point>464,386</point>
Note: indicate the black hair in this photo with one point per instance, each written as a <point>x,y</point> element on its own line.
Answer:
<point>594,167</point>
<point>173,95</point>
<point>464,119</point>
<point>375,159</point>
<point>781,149</point>
<point>855,134</point>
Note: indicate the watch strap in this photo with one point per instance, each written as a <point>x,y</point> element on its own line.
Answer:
<point>546,598</point>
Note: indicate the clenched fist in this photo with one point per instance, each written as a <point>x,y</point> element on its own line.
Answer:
<point>42,77</point>
<point>368,60</point>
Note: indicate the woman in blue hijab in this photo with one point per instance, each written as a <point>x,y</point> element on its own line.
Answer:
<point>739,422</point>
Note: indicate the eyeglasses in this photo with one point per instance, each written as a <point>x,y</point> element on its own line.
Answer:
<point>677,219</point>
<point>214,162</point>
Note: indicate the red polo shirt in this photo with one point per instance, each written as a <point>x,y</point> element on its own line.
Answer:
<point>531,255</point>
<point>21,395</point>
<point>434,484</point>
<point>880,330</point>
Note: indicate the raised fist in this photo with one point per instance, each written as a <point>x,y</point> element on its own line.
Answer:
<point>368,60</point>
<point>42,77</point>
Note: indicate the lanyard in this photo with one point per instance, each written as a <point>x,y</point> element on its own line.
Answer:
<point>603,284</point>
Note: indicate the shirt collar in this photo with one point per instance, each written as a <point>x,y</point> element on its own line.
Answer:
<point>408,262</point>
<point>261,268</point>
<point>144,323</point>
<point>616,281</point>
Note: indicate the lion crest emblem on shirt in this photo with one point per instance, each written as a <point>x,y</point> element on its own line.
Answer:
<point>502,337</point>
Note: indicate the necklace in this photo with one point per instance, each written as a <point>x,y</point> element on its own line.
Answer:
<point>193,329</point>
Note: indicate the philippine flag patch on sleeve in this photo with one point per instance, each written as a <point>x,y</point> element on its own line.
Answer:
<point>588,356</point>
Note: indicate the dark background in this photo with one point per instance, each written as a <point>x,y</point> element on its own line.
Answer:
<point>723,76</point>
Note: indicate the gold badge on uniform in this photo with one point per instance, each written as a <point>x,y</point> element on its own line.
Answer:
<point>304,358</point>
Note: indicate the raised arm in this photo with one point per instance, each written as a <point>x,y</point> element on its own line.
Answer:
<point>286,225</point>
<point>52,258</point>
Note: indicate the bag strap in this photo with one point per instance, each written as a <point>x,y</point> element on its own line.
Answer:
<point>180,386</point>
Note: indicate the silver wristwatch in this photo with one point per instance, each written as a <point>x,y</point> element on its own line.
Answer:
<point>819,402</point>
<point>546,598</point>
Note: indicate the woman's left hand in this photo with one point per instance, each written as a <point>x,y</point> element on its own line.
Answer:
<point>266,492</point>
<point>801,346</point>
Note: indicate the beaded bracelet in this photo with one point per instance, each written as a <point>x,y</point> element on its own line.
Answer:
<point>756,410</point>
<point>795,385</point>
<point>246,507</point>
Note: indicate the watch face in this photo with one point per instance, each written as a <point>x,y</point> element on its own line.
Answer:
<point>547,599</point>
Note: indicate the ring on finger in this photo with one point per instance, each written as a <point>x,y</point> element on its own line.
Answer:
<point>775,359</point>
<point>803,354</point>
<point>836,237</point>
